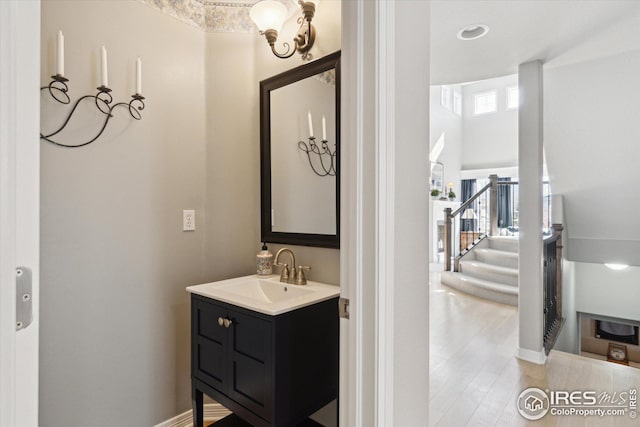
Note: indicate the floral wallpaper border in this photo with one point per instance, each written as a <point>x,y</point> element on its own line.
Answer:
<point>328,77</point>
<point>209,16</point>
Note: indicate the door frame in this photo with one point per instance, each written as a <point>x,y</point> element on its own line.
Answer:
<point>372,260</point>
<point>19,205</point>
<point>384,235</point>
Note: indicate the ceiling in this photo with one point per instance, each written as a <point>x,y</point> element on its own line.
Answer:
<point>555,31</point>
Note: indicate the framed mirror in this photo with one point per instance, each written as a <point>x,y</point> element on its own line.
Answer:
<point>299,155</point>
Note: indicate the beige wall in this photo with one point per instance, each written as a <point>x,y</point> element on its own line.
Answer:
<point>233,168</point>
<point>115,316</point>
<point>115,332</point>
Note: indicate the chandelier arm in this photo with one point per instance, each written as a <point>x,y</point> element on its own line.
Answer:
<point>58,84</point>
<point>287,54</point>
<point>105,99</point>
<point>314,168</point>
<point>314,147</point>
<point>135,110</point>
<point>326,171</point>
<point>305,39</point>
<point>304,147</point>
<point>333,162</point>
<point>332,157</point>
<point>68,117</point>
<point>60,144</point>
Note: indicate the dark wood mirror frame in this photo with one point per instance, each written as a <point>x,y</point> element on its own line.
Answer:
<point>266,86</point>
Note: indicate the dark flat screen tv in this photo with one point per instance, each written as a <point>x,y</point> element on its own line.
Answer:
<point>619,332</point>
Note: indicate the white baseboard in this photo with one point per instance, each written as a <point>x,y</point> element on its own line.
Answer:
<point>212,412</point>
<point>537,357</point>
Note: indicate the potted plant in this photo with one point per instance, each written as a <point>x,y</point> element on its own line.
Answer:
<point>435,193</point>
<point>451,195</point>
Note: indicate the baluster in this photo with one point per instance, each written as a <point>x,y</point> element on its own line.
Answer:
<point>493,205</point>
<point>557,230</point>
<point>447,239</point>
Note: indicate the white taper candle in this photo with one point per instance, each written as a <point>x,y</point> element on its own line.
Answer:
<point>324,129</point>
<point>139,76</point>
<point>60,54</point>
<point>310,125</point>
<point>104,74</point>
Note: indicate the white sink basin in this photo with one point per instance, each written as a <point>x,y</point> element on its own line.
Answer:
<point>266,295</point>
<point>266,291</point>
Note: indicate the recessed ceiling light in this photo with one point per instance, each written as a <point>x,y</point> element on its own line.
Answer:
<point>616,266</point>
<point>473,32</point>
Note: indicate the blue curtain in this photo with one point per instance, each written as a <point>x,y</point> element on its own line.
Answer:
<point>467,190</point>
<point>505,218</point>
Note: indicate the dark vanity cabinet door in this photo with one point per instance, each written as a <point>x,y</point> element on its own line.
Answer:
<point>234,358</point>
<point>268,370</point>
<point>209,344</point>
<point>250,351</point>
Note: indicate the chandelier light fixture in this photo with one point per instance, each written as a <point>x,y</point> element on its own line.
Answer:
<point>269,16</point>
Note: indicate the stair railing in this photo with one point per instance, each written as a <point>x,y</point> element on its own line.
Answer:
<point>552,295</point>
<point>485,212</point>
<point>484,206</point>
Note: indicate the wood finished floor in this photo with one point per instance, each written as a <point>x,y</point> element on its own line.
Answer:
<point>475,378</point>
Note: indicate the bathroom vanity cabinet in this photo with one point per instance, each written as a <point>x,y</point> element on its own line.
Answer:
<point>269,370</point>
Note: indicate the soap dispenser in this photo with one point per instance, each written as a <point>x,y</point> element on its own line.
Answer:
<point>264,261</point>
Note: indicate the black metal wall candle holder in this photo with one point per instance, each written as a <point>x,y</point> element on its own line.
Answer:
<point>58,90</point>
<point>322,153</point>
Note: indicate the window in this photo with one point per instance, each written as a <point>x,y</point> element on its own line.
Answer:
<point>457,102</point>
<point>445,97</point>
<point>485,103</point>
<point>513,97</point>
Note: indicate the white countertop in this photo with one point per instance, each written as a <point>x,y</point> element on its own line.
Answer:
<point>266,295</point>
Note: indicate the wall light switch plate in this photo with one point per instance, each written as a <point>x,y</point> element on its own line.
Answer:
<point>188,220</point>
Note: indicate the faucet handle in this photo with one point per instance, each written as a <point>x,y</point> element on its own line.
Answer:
<point>284,276</point>
<point>302,280</point>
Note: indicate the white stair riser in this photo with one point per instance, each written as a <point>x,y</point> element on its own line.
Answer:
<point>454,280</point>
<point>496,258</point>
<point>502,244</point>
<point>488,274</point>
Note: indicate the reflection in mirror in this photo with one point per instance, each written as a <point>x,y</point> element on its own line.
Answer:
<point>302,201</point>
<point>299,155</point>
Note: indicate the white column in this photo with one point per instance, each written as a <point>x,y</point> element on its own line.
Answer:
<point>384,236</point>
<point>410,283</point>
<point>530,161</point>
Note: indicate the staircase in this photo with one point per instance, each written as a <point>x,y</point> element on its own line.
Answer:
<point>489,271</point>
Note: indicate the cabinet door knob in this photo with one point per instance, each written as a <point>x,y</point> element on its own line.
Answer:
<point>220,321</point>
<point>227,323</point>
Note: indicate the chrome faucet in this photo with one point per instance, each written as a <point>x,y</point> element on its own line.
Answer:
<point>293,276</point>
